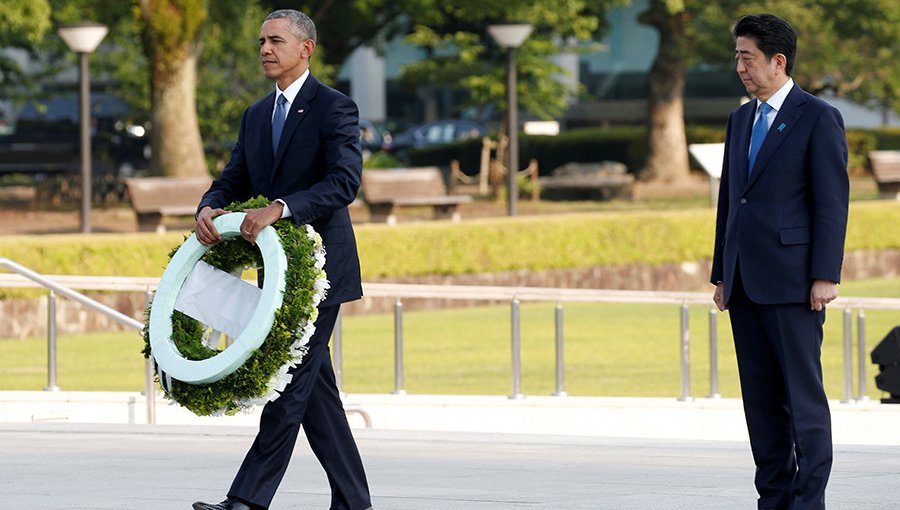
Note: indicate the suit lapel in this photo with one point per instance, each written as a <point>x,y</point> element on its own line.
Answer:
<point>787,118</point>
<point>266,133</point>
<point>743,123</point>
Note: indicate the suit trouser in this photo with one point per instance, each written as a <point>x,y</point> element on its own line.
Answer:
<point>311,398</point>
<point>778,351</point>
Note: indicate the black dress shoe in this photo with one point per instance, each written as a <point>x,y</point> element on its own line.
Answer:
<point>228,504</point>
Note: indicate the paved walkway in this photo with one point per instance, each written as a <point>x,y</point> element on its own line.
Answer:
<point>139,467</point>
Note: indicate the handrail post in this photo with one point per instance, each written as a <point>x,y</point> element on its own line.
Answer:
<point>713,353</point>
<point>337,340</point>
<point>848,356</point>
<point>398,348</point>
<point>862,390</point>
<point>51,343</point>
<point>685,355</point>
<point>516,352</point>
<point>149,386</point>
<point>560,354</point>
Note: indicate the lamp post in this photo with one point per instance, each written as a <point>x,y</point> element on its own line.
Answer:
<point>83,39</point>
<point>511,37</point>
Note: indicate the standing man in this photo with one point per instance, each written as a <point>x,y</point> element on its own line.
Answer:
<point>300,147</point>
<point>782,218</point>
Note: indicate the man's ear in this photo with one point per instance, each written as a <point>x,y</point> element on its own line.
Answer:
<point>309,47</point>
<point>781,62</point>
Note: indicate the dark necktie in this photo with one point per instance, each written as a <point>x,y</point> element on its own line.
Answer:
<point>760,128</point>
<point>278,121</point>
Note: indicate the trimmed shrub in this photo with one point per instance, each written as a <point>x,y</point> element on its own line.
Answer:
<point>473,246</point>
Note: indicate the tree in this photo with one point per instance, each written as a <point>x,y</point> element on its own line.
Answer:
<point>845,47</point>
<point>667,157</point>
<point>170,32</point>
<point>460,52</point>
<point>24,26</point>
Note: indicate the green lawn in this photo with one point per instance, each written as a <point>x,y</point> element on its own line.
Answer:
<point>611,350</point>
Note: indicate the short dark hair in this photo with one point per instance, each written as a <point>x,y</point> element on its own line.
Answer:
<point>300,24</point>
<point>772,35</point>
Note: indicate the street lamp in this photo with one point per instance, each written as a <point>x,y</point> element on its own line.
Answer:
<point>83,38</point>
<point>511,37</point>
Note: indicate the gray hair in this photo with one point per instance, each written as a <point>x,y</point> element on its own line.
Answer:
<point>300,24</point>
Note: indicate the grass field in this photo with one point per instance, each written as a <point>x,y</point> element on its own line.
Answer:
<point>610,350</point>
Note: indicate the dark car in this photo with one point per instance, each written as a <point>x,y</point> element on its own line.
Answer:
<point>370,138</point>
<point>44,136</point>
<point>435,133</point>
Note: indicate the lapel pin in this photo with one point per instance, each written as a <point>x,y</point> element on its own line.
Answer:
<point>301,111</point>
<point>782,126</point>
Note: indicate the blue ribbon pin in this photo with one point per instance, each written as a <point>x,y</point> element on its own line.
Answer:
<point>782,126</point>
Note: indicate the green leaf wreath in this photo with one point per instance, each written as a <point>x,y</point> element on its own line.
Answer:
<point>263,374</point>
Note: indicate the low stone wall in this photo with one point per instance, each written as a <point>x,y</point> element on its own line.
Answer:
<point>20,318</point>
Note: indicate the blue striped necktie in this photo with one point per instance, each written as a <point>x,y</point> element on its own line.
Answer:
<point>760,128</point>
<point>278,121</point>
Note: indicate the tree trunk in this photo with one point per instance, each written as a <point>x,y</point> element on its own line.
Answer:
<point>170,33</point>
<point>667,155</point>
<point>175,137</point>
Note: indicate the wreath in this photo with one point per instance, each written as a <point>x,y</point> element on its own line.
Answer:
<point>264,373</point>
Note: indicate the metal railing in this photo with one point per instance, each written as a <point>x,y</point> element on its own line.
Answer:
<point>515,296</point>
<point>32,279</point>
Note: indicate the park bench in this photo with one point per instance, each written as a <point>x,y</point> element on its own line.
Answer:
<point>387,191</point>
<point>605,180</point>
<point>154,198</point>
<point>886,170</point>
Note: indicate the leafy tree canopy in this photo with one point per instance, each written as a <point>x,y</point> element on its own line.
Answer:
<point>459,49</point>
<point>847,47</point>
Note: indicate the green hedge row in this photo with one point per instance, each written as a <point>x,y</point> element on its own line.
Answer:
<point>625,144</point>
<point>473,246</point>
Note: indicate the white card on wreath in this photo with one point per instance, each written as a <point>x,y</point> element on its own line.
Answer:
<point>217,299</point>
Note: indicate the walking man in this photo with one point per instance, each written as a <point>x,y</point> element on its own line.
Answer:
<point>298,146</point>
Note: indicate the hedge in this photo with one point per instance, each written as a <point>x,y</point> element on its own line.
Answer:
<point>473,246</point>
<point>626,144</point>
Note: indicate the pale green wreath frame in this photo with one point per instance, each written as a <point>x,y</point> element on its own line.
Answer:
<point>265,373</point>
<point>168,358</point>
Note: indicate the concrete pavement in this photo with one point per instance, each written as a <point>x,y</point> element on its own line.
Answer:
<point>139,467</point>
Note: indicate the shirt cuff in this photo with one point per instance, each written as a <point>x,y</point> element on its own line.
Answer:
<point>286,212</point>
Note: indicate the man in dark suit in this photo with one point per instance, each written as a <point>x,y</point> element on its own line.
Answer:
<point>780,228</point>
<point>300,147</point>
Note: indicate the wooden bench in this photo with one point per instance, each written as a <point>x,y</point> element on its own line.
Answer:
<point>886,170</point>
<point>153,198</point>
<point>386,191</point>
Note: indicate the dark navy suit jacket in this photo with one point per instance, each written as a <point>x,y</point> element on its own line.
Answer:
<point>784,226</point>
<point>316,171</point>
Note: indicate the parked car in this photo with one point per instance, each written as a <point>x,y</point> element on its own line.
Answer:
<point>435,133</point>
<point>43,136</point>
<point>370,138</point>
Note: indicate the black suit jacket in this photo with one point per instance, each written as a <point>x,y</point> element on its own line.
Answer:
<point>316,171</point>
<point>784,226</point>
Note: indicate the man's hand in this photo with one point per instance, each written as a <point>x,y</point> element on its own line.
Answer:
<point>204,229</point>
<point>719,296</point>
<point>822,293</point>
<point>258,219</point>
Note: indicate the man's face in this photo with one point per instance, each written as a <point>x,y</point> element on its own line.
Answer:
<point>283,55</point>
<point>761,76</point>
